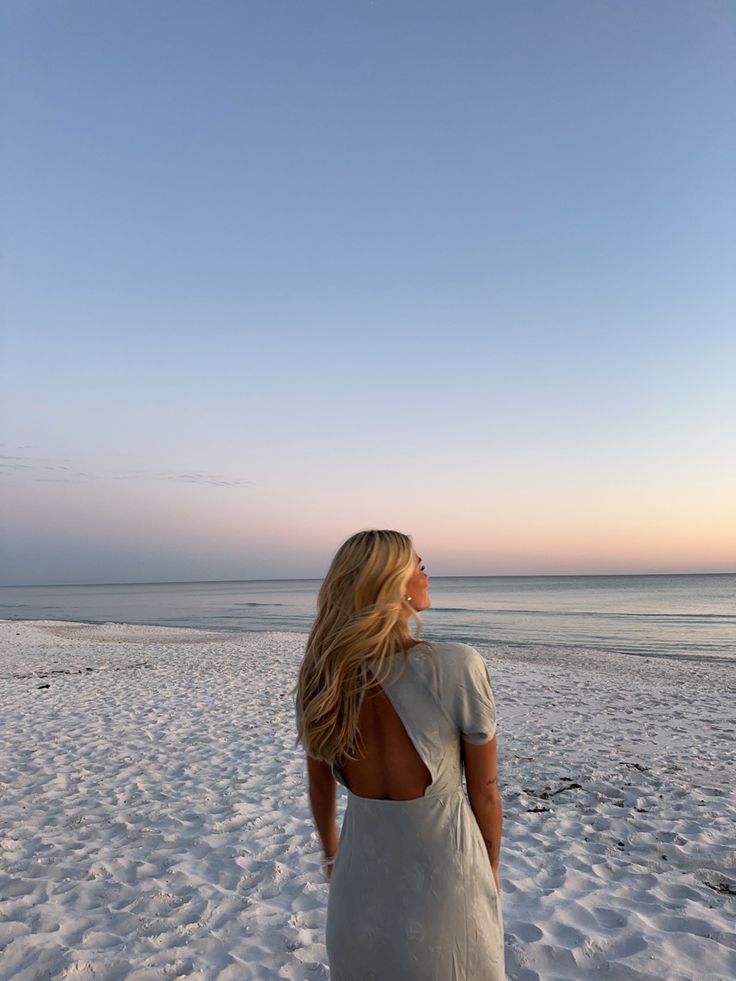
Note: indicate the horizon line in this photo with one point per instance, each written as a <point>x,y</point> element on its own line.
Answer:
<point>496,575</point>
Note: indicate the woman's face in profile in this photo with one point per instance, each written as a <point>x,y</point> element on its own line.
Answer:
<point>418,587</point>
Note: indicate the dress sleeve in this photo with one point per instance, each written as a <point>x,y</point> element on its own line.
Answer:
<point>475,710</point>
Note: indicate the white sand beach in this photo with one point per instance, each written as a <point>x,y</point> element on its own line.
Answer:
<point>155,821</point>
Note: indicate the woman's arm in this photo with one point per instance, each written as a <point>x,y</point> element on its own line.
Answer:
<point>481,779</point>
<point>323,800</point>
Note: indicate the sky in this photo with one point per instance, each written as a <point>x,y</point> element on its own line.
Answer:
<point>273,272</point>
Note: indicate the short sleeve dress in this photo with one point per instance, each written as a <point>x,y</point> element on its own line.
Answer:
<point>412,896</point>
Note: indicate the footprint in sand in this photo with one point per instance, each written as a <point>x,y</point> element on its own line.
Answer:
<point>526,932</point>
<point>609,918</point>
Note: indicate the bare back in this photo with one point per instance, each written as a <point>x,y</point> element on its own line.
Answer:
<point>390,767</point>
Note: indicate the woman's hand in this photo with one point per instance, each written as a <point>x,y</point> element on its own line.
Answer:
<point>328,866</point>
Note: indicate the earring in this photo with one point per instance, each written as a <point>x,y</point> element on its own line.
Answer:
<point>408,599</point>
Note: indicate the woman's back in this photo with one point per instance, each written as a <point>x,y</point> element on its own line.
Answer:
<point>389,768</point>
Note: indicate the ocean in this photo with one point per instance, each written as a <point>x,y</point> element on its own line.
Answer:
<point>691,616</point>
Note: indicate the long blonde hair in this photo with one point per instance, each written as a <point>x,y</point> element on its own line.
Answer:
<point>362,619</point>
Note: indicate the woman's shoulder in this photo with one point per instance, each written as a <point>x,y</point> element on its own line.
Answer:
<point>456,651</point>
<point>454,659</point>
<point>458,676</point>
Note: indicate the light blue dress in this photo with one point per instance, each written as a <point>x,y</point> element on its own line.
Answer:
<point>412,896</point>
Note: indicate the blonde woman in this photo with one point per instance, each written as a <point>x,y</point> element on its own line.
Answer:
<point>414,892</point>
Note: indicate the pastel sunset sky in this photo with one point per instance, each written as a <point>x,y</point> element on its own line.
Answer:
<point>274,272</point>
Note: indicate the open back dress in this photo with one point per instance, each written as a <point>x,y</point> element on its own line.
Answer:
<point>412,896</point>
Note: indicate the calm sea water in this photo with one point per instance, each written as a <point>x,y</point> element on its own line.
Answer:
<point>682,616</point>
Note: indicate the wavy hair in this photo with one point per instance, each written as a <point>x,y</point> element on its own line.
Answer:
<point>362,619</point>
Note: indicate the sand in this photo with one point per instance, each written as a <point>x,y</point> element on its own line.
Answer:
<point>155,821</point>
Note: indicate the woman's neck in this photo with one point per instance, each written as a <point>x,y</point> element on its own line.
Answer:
<point>405,642</point>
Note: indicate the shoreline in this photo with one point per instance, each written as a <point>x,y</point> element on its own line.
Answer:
<point>157,816</point>
<point>227,633</point>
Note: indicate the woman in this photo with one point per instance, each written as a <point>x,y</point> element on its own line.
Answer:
<point>414,892</point>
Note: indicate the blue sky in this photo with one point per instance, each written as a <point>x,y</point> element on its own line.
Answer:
<point>277,271</point>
